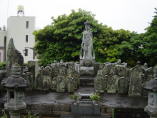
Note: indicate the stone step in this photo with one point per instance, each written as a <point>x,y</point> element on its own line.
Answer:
<point>87,81</point>
<point>85,90</point>
<point>87,78</point>
<point>84,116</point>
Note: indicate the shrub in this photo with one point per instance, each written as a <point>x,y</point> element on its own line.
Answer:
<point>2,65</point>
<point>4,114</point>
<point>95,97</point>
<point>30,115</point>
<point>74,97</point>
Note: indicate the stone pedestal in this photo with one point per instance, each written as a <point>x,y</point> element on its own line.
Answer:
<point>151,108</point>
<point>15,85</point>
<point>86,67</point>
<point>153,113</point>
<point>84,106</point>
<point>87,71</point>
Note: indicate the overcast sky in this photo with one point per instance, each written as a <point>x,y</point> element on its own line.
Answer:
<point>133,15</point>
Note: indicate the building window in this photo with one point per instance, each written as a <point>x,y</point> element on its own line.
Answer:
<point>26,52</point>
<point>26,38</point>
<point>5,41</point>
<point>27,24</point>
<point>5,47</point>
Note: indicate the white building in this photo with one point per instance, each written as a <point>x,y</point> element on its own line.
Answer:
<point>3,42</point>
<point>21,29</point>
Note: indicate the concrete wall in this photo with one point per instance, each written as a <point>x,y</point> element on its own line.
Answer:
<point>16,28</point>
<point>1,55</point>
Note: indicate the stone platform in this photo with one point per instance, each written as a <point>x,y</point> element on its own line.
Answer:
<point>58,103</point>
<point>75,116</point>
<point>120,101</point>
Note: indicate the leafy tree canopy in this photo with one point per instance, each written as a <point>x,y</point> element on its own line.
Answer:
<point>141,47</point>
<point>62,40</point>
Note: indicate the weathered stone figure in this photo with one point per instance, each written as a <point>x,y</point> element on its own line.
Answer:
<point>87,51</point>
<point>151,87</point>
<point>136,78</point>
<point>13,56</point>
<point>100,82</point>
<point>112,78</point>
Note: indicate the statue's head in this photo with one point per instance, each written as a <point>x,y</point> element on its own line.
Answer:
<point>87,26</point>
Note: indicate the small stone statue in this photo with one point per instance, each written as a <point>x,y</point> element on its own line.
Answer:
<point>136,78</point>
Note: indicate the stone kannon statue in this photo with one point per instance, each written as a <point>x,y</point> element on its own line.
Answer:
<point>87,51</point>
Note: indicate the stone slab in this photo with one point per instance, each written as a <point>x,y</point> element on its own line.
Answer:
<point>117,101</point>
<point>58,102</point>
<point>76,116</point>
<point>87,71</point>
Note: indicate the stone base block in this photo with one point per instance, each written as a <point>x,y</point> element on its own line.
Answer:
<point>87,62</point>
<point>87,71</point>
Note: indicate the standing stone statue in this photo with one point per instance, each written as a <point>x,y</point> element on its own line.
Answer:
<point>87,51</point>
<point>100,82</point>
<point>136,78</point>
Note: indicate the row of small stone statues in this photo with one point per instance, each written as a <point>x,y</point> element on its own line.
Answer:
<point>118,78</point>
<point>110,78</point>
<point>59,77</point>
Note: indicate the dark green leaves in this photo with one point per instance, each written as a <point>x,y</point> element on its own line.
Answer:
<point>62,39</point>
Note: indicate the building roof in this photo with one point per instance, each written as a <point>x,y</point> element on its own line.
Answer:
<point>14,81</point>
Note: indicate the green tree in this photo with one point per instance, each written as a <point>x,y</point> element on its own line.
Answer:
<point>62,39</point>
<point>131,51</point>
<point>2,65</point>
<point>140,47</point>
<point>150,42</point>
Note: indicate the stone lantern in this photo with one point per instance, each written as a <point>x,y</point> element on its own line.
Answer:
<point>151,86</point>
<point>15,85</point>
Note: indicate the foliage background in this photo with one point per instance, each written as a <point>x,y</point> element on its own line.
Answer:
<point>62,40</point>
<point>2,65</point>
